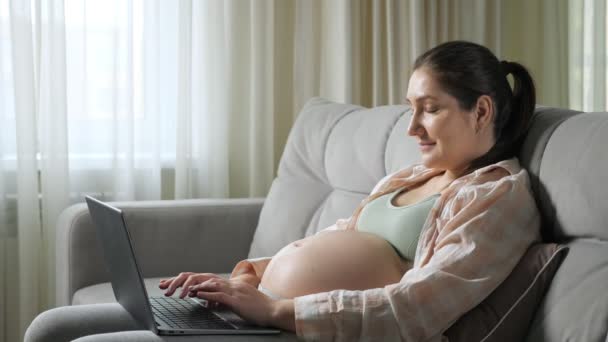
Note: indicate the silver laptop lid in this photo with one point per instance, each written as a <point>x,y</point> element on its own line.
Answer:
<point>120,260</point>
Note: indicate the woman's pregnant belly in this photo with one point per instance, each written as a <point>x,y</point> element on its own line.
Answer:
<point>349,260</point>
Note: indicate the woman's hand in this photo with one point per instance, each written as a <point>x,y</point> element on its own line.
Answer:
<point>248,302</point>
<point>185,280</point>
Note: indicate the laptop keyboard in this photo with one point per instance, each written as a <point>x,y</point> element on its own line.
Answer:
<point>186,314</point>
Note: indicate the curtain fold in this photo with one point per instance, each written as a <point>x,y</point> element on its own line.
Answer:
<point>534,34</point>
<point>52,138</point>
<point>158,99</point>
<point>30,276</point>
<point>362,51</point>
<point>587,55</point>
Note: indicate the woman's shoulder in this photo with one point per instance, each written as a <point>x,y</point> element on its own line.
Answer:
<point>506,176</point>
<point>505,170</point>
<point>492,175</point>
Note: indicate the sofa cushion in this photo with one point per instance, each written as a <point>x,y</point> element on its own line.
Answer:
<point>572,197</point>
<point>572,192</point>
<point>507,312</point>
<point>544,123</point>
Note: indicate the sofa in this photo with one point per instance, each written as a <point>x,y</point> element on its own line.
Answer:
<point>333,157</point>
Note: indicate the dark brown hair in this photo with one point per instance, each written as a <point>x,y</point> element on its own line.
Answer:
<point>467,71</point>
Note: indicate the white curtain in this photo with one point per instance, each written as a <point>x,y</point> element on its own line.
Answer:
<point>162,99</point>
<point>125,100</point>
<point>588,55</point>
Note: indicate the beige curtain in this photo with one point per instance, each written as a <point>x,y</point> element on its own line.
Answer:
<point>361,51</point>
<point>536,34</point>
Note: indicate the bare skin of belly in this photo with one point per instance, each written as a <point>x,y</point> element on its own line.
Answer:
<point>349,260</point>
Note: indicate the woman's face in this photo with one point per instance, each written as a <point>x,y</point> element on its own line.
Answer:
<point>446,134</point>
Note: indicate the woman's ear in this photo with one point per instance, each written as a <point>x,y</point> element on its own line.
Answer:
<point>484,113</point>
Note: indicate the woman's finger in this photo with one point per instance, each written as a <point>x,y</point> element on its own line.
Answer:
<point>243,299</point>
<point>191,281</point>
<point>164,283</point>
<point>212,285</point>
<point>177,282</point>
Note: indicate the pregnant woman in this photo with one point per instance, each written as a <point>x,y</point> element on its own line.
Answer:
<point>430,242</point>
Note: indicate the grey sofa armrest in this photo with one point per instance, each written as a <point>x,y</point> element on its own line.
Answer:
<point>206,235</point>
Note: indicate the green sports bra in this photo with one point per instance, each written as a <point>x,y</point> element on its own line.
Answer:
<point>400,226</point>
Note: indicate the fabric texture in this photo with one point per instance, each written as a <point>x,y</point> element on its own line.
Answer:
<point>475,234</point>
<point>70,322</point>
<point>111,322</point>
<point>508,311</point>
<point>573,203</point>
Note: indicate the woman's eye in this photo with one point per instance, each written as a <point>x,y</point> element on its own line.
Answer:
<point>432,110</point>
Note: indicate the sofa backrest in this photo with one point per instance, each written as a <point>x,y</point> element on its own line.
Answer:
<point>572,193</point>
<point>336,153</point>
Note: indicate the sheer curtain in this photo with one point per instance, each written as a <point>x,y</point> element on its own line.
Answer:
<point>160,99</point>
<point>125,100</point>
<point>588,35</point>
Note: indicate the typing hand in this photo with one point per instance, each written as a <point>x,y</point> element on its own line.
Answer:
<point>185,280</point>
<point>248,302</point>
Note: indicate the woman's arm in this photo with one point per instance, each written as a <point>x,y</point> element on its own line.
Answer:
<point>284,315</point>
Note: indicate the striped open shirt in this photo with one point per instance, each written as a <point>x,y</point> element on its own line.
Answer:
<point>472,239</point>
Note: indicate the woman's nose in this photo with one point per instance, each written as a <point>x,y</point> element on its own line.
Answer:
<point>414,128</point>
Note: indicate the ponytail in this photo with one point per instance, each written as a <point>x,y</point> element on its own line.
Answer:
<point>523,101</point>
<point>512,122</point>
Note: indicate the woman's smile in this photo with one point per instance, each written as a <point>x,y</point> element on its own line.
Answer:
<point>426,146</point>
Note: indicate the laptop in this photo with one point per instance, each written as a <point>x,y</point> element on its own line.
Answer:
<point>162,315</point>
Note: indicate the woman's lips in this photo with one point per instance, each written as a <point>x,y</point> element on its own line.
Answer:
<point>426,146</point>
